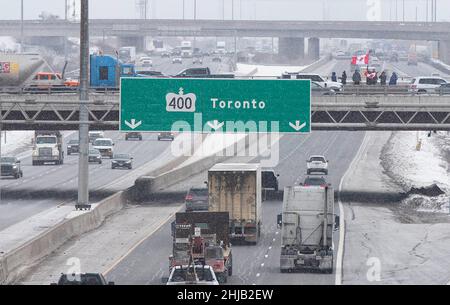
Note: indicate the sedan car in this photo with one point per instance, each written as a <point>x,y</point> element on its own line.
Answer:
<point>95,156</point>
<point>314,181</point>
<point>177,60</point>
<point>196,200</point>
<point>73,147</point>
<point>216,59</point>
<point>165,54</point>
<point>10,166</point>
<point>122,161</point>
<point>317,164</point>
<point>133,135</point>
<point>166,136</point>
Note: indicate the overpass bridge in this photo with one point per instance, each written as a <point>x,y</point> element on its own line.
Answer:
<point>291,33</point>
<point>328,112</point>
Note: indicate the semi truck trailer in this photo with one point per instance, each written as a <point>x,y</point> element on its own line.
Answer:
<point>236,188</point>
<point>307,225</point>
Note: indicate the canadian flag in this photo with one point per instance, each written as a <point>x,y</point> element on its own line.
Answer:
<point>360,59</point>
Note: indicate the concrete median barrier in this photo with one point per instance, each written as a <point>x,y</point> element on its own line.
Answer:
<point>15,264</point>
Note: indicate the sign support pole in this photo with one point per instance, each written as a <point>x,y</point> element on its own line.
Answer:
<point>83,165</point>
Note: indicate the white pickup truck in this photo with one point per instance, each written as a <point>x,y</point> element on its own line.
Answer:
<point>317,164</point>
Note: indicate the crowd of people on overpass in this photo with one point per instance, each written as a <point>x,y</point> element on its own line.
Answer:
<point>372,78</point>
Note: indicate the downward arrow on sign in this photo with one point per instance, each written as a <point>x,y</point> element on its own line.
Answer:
<point>133,124</point>
<point>215,124</point>
<point>297,125</point>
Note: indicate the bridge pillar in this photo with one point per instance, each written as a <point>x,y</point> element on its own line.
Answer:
<point>132,41</point>
<point>313,48</point>
<point>291,49</point>
<point>444,51</point>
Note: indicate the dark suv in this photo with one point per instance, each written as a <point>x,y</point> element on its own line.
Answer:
<point>73,147</point>
<point>197,200</point>
<point>269,180</point>
<point>10,166</point>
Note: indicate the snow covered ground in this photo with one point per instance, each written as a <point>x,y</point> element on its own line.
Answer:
<point>410,167</point>
<point>8,44</point>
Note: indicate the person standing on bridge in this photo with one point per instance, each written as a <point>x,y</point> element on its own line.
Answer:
<point>333,77</point>
<point>356,78</point>
<point>344,78</point>
<point>383,78</point>
<point>393,79</point>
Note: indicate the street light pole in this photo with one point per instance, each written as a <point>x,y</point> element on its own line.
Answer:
<point>232,9</point>
<point>195,9</point>
<point>403,10</point>
<point>183,10</point>
<point>21,25</point>
<point>83,165</point>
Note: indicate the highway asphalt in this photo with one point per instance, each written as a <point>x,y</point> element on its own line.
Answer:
<point>254,264</point>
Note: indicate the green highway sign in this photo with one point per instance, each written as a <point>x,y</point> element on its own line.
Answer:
<point>215,105</point>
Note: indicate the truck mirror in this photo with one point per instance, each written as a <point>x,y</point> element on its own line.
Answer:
<point>279,220</point>
<point>337,220</point>
<point>164,280</point>
<point>278,175</point>
<point>18,161</point>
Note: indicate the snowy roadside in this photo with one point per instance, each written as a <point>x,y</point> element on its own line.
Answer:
<point>412,168</point>
<point>15,142</point>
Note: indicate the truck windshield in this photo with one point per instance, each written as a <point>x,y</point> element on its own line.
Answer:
<point>46,140</point>
<point>102,143</point>
<point>214,252</point>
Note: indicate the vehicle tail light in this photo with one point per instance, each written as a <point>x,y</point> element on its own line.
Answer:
<point>188,197</point>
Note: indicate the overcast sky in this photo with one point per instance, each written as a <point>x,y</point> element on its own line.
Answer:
<point>243,9</point>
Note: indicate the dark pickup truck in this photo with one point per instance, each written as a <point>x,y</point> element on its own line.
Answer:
<point>10,166</point>
<point>201,73</point>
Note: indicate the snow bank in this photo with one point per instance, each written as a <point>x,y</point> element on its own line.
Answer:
<point>262,70</point>
<point>8,44</point>
<point>15,141</point>
<point>410,167</point>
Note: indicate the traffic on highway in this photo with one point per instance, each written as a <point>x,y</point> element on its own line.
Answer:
<point>191,158</point>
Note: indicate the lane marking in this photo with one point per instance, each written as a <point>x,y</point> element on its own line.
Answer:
<point>340,253</point>
<point>117,262</point>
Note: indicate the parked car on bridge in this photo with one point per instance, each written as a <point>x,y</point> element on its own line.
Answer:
<point>336,86</point>
<point>318,90</point>
<point>10,166</point>
<point>443,89</point>
<point>425,84</point>
<point>197,60</point>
